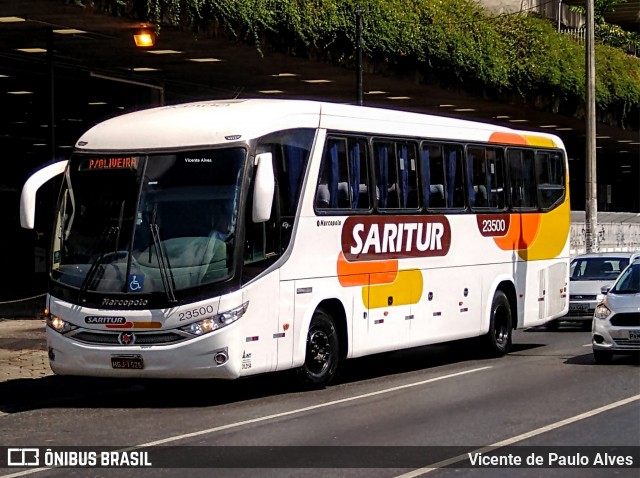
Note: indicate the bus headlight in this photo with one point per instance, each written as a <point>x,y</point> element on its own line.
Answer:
<point>602,311</point>
<point>59,325</point>
<point>210,324</point>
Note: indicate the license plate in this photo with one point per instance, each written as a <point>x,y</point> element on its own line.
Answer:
<point>127,362</point>
<point>578,307</point>
<point>634,335</point>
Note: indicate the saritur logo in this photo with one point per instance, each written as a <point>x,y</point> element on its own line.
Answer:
<point>395,237</point>
<point>103,320</point>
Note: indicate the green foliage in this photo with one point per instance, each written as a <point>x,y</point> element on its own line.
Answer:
<point>449,38</point>
<point>607,33</point>
<point>613,35</point>
<point>600,7</point>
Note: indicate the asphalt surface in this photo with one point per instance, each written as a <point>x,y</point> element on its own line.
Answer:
<point>548,395</point>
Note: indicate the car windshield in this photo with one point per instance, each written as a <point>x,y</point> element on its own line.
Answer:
<point>145,224</point>
<point>629,281</point>
<point>597,268</point>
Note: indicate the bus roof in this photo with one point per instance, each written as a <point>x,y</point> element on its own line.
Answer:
<point>199,124</point>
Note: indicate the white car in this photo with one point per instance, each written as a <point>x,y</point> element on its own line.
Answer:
<point>588,273</point>
<point>616,321</point>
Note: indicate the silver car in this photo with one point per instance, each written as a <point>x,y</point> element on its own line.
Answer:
<point>588,274</point>
<point>616,321</point>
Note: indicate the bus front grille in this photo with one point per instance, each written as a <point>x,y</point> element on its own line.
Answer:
<point>141,338</point>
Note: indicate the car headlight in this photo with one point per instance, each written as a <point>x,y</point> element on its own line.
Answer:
<point>59,325</point>
<point>216,322</point>
<point>602,311</point>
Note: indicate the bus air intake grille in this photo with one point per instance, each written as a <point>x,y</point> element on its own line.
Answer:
<point>141,338</point>
<point>626,319</point>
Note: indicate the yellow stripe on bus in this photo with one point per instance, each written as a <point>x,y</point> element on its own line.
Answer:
<point>540,141</point>
<point>521,139</point>
<point>405,290</point>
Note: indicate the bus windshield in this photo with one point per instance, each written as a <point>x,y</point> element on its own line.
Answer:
<point>146,224</point>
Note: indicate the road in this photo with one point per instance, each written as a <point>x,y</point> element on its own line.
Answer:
<point>419,412</point>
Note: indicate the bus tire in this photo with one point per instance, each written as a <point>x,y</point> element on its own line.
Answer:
<point>498,339</point>
<point>322,352</point>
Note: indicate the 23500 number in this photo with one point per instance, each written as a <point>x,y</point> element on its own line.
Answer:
<point>195,313</point>
<point>494,225</point>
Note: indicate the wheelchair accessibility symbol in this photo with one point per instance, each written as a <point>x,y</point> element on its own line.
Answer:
<point>136,282</point>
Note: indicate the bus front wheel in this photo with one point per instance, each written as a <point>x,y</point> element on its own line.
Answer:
<point>321,358</point>
<point>498,339</point>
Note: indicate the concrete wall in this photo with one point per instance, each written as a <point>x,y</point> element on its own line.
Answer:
<point>617,232</point>
<point>545,8</point>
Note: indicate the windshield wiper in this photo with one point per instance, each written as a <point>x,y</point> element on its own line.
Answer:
<point>102,241</point>
<point>166,274</point>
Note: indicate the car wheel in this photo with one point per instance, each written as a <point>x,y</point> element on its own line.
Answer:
<point>603,356</point>
<point>322,354</point>
<point>498,339</point>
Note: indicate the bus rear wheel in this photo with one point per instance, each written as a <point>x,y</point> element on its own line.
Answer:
<point>321,358</point>
<point>498,339</point>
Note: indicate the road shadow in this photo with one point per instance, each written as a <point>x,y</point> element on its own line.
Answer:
<point>89,392</point>
<point>563,327</point>
<point>618,360</point>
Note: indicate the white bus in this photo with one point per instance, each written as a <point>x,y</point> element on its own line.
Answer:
<point>229,238</point>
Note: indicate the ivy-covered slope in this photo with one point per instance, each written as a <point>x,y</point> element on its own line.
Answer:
<point>499,56</point>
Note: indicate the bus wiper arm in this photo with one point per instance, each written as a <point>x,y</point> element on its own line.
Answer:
<point>88,280</point>
<point>166,275</point>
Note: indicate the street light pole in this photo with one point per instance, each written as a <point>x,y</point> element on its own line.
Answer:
<point>591,206</point>
<point>559,14</point>
<point>359,56</point>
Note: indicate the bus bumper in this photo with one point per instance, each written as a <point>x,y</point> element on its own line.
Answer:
<point>214,355</point>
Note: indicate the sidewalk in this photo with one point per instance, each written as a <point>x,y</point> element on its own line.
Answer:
<point>23,349</point>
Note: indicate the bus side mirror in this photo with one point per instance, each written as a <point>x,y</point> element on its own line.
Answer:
<point>30,188</point>
<point>264,188</point>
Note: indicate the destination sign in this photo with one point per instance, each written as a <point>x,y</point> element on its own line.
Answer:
<point>109,163</point>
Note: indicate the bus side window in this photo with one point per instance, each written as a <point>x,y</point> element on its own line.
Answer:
<point>359,173</point>
<point>409,186</point>
<point>432,168</point>
<point>550,175</point>
<point>497,194</point>
<point>382,156</point>
<point>486,177</point>
<point>344,175</point>
<point>329,184</point>
<point>396,174</point>
<point>454,170</point>
<point>476,165</point>
<point>522,188</point>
